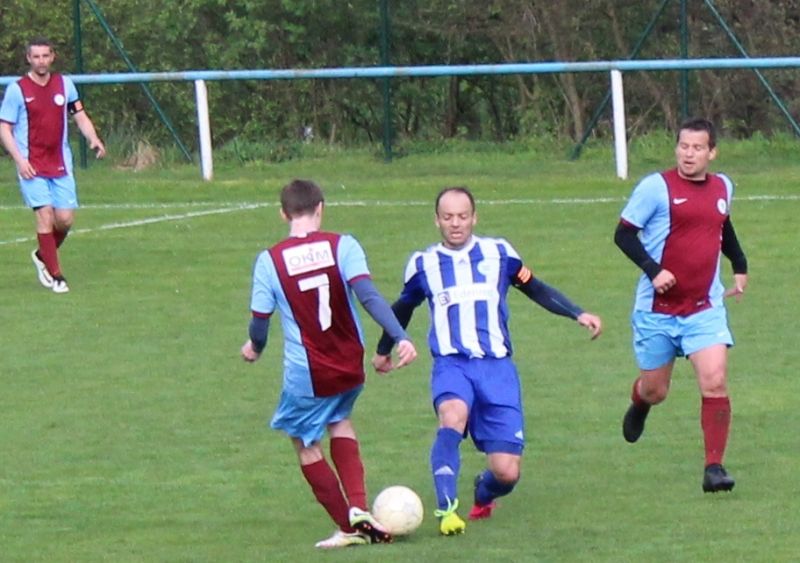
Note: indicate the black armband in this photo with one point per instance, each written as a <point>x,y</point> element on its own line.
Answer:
<point>74,107</point>
<point>626,237</point>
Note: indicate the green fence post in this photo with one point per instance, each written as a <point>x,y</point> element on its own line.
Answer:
<point>386,83</point>
<point>76,24</point>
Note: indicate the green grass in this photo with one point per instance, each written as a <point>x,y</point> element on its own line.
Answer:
<point>132,431</point>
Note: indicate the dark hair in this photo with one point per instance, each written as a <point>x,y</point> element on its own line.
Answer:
<point>699,124</point>
<point>39,41</point>
<point>458,189</point>
<point>300,197</point>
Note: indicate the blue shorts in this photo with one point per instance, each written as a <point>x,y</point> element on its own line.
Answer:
<point>59,193</point>
<point>659,338</point>
<point>491,389</point>
<point>306,418</point>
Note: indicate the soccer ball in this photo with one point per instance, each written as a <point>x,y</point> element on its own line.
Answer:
<point>398,509</point>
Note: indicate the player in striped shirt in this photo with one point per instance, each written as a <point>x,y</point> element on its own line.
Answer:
<point>674,227</point>
<point>312,277</point>
<point>474,383</point>
<point>33,129</point>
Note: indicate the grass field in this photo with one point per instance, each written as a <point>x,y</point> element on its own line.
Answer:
<point>132,431</point>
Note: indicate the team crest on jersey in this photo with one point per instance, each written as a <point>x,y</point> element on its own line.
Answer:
<point>308,257</point>
<point>443,298</point>
<point>59,99</point>
<point>722,206</point>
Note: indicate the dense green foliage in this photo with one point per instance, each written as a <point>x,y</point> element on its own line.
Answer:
<point>132,432</point>
<point>283,34</point>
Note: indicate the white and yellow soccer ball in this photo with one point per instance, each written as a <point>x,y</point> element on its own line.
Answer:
<point>398,509</point>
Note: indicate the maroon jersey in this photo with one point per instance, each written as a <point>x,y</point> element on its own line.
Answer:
<point>692,248</point>
<point>46,108</point>
<point>681,228</point>
<point>313,272</point>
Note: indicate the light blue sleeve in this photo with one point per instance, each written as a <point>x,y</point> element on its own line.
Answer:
<point>12,102</point>
<point>648,195</point>
<point>351,258</point>
<point>262,299</point>
<point>729,186</point>
<point>70,90</point>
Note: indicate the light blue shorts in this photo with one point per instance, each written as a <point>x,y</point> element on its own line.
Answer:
<point>491,389</point>
<point>59,193</point>
<point>307,418</point>
<point>658,338</point>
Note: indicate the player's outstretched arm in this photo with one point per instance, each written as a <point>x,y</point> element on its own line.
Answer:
<point>548,297</point>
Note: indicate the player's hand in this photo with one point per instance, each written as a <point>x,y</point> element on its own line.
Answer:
<point>739,285</point>
<point>381,363</point>
<point>26,170</point>
<point>592,322</point>
<point>98,147</point>
<point>406,353</point>
<point>248,354</point>
<point>664,281</point>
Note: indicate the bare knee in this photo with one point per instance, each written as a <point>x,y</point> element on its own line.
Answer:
<point>505,467</point>
<point>714,385</point>
<point>453,414</point>
<point>507,475</point>
<point>654,394</point>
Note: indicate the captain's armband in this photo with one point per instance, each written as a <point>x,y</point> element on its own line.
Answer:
<point>74,107</point>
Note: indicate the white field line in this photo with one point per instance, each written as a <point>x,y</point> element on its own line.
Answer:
<point>150,221</point>
<point>230,207</point>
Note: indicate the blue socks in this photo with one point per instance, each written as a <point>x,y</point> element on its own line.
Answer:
<point>445,465</point>
<point>489,488</point>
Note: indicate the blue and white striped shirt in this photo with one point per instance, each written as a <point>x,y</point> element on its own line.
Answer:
<point>466,290</point>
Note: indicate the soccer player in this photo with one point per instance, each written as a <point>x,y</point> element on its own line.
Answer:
<point>310,277</point>
<point>474,383</point>
<point>33,129</point>
<point>674,227</point>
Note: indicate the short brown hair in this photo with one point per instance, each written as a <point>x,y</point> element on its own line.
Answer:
<point>300,197</point>
<point>39,41</point>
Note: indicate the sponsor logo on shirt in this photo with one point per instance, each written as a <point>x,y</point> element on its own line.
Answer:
<point>466,294</point>
<point>308,257</point>
<point>679,200</point>
<point>29,100</point>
